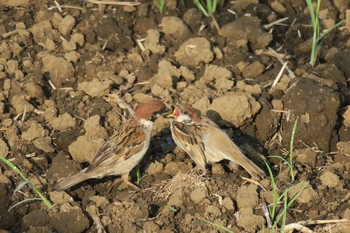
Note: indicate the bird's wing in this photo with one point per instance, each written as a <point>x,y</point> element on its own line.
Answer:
<point>188,138</point>
<point>126,142</point>
<point>220,146</point>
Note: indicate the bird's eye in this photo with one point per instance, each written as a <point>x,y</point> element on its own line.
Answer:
<point>185,112</point>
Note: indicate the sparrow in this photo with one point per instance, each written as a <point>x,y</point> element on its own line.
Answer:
<point>206,143</point>
<point>123,150</point>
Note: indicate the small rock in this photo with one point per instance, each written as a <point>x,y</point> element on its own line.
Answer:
<point>72,56</point>
<point>330,179</point>
<point>41,31</point>
<point>100,201</point>
<point>228,203</point>
<point>172,168</point>
<point>161,92</point>
<point>221,75</point>
<point>278,7</point>
<point>277,104</point>
<point>248,220</point>
<point>344,147</point>
<point>113,119</point>
<point>217,168</point>
<point>180,86</point>
<point>44,144</point>
<point>159,124</point>
<point>252,71</point>
<point>35,218</point>
<point>346,116</point>
<point>62,122</point>
<point>165,76</point>
<point>243,4</point>
<point>78,38</point>
<point>60,69</point>
<point>2,107</point>
<point>246,29</point>
<point>198,195</point>
<point>60,197</point>
<point>154,168</point>
<point>67,221</point>
<point>20,104</point>
<point>346,214</point>
<point>49,44</point>
<point>69,45</point>
<point>93,128</point>
<point>341,60</point>
<point>175,26</point>
<point>187,74</point>
<point>152,42</point>
<point>307,156</point>
<point>218,53</point>
<point>194,51</point>
<point>11,66</point>
<point>17,3</point>
<point>247,196</point>
<point>212,211</point>
<point>66,25</point>
<point>34,131</point>
<point>308,194</point>
<point>56,20</point>
<point>192,94</point>
<point>135,58</point>
<point>84,148</point>
<point>4,150</point>
<point>150,226</point>
<point>34,90</point>
<point>341,5</point>
<point>236,108</point>
<point>95,88</point>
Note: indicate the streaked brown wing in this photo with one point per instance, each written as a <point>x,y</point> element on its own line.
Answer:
<point>122,145</point>
<point>188,138</point>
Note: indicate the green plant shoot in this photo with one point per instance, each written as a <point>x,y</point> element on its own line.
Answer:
<point>16,169</point>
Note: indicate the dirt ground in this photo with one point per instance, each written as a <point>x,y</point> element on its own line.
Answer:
<point>68,72</point>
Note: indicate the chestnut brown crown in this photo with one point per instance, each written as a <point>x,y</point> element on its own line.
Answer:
<point>149,108</point>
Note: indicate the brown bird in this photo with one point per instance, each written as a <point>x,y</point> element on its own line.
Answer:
<point>123,150</point>
<point>206,143</point>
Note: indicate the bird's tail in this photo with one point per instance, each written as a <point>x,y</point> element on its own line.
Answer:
<point>237,157</point>
<point>71,181</point>
<point>253,170</point>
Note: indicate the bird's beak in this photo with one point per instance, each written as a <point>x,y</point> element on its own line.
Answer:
<point>174,114</point>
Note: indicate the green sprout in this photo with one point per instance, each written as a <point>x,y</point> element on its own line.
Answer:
<point>291,146</point>
<point>279,216</point>
<point>139,178</point>
<point>160,4</point>
<point>207,9</point>
<point>26,181</point>
<point>120,188</point>
<point>318,37</point>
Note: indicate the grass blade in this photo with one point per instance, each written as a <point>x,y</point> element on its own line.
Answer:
<point>15,169</point>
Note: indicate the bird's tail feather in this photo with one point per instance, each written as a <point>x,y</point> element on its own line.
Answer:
<point>253,170</point>
<point>71,181</point>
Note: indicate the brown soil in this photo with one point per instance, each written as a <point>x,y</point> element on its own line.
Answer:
<point>66,77</point>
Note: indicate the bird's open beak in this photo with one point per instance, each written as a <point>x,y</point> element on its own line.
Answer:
<point>174,114</point>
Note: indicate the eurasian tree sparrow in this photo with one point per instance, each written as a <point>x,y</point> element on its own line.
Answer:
<point>206,143</point>
<point>123,150</point>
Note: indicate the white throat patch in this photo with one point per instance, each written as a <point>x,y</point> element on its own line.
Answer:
<point>184,118</point>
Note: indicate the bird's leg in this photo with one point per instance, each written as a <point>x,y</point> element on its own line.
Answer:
<point>125,178</point>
